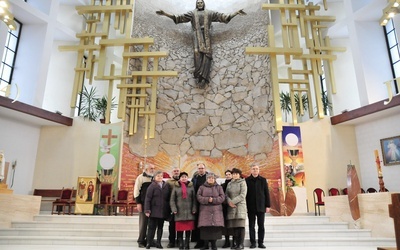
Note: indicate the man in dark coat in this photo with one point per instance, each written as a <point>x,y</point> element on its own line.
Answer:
<point>198,179</point>
<point>258,203</point>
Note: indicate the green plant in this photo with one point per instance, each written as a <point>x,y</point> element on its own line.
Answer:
<point>101,106</point>
<point>286,104</point>
<point>326,103</point>
<point>87,108</point>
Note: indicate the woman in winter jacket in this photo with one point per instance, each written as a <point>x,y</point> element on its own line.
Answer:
<point>156,207</point>
<point>211,219</point>
<point>236,192</point>
<point>184,207</point>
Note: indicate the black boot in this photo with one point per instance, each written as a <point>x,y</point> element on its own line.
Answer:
<point>213,244</point>
<point>233,242</point>
<point>205,245</point>
<point>227,243</point>
<point>240,238</point>
<point>187,239</point>
<point>187,243</point>
<point>159,235</point>
<point>180,243</point>
<point>150,237</point>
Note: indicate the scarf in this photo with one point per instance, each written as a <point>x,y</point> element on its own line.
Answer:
<point>184,189</point>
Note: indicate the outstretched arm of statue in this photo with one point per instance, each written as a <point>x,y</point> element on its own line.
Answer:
<point>163,13</point>
<point>240,12</point>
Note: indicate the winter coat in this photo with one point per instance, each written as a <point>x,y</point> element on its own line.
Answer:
<point>184,208</point>
<point>198,180</point>
<point>210,214</point>
<point>236,192</point>
<point>225,205</point>
<point>142,182</point>
<point>157,200</point>
<point>257,197</point>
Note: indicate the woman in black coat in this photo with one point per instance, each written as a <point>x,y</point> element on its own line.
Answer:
<point>156,207</point>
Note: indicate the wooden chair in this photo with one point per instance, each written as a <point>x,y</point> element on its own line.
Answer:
<point>371,190</point>
<point>64,201</point>
<point>121,201</point>
<point>344,191</point>
<point>105,197</point>
<point>319,195</point>
<point>334,192</point>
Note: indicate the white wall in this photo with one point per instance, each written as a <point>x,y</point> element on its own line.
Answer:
<point>368,139</point>
<point>19,141</point>
<point>64,153</point>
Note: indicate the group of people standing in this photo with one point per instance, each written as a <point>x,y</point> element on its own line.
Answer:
<point>200,210</point>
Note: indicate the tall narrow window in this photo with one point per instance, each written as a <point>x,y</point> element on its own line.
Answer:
<point>393,47</point>
<point>9,55</point>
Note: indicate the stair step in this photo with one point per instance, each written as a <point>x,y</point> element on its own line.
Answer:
<point>307,232</point>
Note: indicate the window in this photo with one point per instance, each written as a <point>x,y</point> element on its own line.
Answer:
<point>9,55</point>
<point>393,49</point>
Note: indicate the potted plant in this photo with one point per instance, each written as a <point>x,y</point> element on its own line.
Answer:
<point>101,107</point>
<point>286,104</point>
<point>87,107</point>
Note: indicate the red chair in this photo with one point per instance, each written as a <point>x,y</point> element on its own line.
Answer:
<point>319,195</point>
<point>120,201</point>
<point>371,190</point>
<point>334,192</point>
<point>64,201</point>
<point>105,197</point>
<point>344,191</point>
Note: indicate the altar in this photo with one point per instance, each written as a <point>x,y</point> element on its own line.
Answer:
<point>374,212</point>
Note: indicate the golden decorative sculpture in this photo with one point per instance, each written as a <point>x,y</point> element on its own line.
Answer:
<point>299,21</point>
<point>133,98</point>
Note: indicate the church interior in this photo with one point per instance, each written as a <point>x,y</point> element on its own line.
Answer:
<point>91,91</point>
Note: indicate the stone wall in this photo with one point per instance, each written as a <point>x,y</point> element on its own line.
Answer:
<point>234,112</point>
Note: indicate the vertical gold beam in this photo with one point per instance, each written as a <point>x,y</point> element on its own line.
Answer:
<point>317,90</point>
<point>275,80</point>
<point>110,94</point>
<point>292,100</point>
<point>78,79</point>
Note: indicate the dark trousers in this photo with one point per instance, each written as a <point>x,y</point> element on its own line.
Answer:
<point>143,222</point>
<point>155,223</point>
<point>171,229</point>
<point>260,224</point>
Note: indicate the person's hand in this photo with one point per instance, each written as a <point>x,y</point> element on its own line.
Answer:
<point>139,208</point>
<point>241,12</point>
<point>231,204</point>
<point>160,12</point>
<point>210,200</point>
<point>175,212</point>
<point>148,214</point>
<point>267,210</point>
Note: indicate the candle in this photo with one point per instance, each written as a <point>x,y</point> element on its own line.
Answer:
<point>378,163</point>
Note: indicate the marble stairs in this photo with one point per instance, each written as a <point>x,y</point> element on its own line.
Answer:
<point>300,232</point>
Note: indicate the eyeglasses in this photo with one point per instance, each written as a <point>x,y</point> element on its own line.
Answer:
<point>200,168</point>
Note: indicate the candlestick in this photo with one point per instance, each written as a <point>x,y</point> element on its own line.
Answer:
<point>378,163</point>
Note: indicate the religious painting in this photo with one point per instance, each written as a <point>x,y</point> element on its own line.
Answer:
<point>391,150</point>
<point>85,195</point>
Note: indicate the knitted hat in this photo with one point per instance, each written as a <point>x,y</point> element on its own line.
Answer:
<point>183,173</point>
